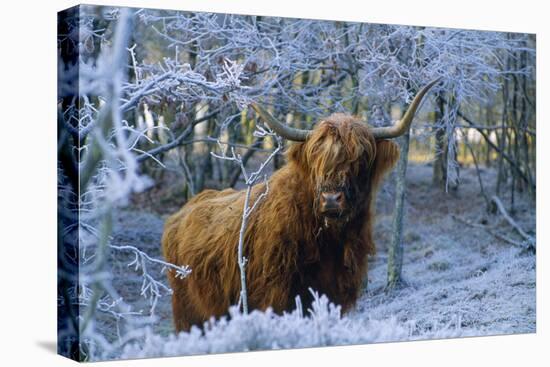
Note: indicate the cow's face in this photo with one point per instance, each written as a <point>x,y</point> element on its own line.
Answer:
<point>337,157</point>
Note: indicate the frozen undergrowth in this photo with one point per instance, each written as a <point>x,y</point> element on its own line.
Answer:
<point>460,282</point>
<point>266,330</point>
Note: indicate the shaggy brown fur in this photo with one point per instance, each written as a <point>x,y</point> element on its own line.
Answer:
<point>290,247</point>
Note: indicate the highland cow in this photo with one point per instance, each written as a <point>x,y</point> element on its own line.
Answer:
<point>313,230</point>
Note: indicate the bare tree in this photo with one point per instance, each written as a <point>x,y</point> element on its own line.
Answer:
<point>250,180</point>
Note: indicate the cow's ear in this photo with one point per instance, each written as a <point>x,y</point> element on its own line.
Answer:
<point>387,154</point>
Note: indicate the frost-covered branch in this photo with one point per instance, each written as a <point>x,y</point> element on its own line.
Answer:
<point>496,201</point>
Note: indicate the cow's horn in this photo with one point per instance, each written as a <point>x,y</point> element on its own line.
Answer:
<point>281,129</point>
<point>401,126</point>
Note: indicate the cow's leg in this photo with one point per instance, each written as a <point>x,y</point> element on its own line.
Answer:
<point>183,308</point>
<point>183,317</point>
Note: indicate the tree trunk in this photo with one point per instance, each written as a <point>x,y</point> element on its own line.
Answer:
<point>203,169</point>
<point>395,252</point>
<point>489,122</point>
<point>502,138</point>
<point>439,177</point>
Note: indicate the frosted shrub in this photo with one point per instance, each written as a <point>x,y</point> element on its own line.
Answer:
<point>323,326</point>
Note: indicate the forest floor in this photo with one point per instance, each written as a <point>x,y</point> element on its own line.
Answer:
<point>457,277</point>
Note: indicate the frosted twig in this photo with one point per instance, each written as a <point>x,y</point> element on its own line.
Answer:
<point>489,230</point>
<point>509,219</point>
<point>250,180</point>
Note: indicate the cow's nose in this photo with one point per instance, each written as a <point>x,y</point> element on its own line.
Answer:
<point>332,200</point>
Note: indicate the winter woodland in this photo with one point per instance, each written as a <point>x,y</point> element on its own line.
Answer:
<point>153,108</point>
